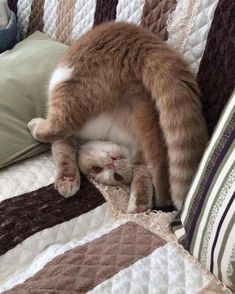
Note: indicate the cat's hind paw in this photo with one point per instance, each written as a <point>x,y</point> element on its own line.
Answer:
<point>33,124</point>
<point>68,186</point>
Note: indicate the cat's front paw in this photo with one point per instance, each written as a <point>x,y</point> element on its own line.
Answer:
<point>68,186</point>
<point>137,206</point>
<point>33,124</point>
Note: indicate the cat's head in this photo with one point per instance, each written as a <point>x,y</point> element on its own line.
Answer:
<point>106,162</point>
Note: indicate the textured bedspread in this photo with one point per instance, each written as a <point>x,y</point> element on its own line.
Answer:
<point>49,244</point>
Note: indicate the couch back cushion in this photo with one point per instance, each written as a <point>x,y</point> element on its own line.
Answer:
<point>206,226</point>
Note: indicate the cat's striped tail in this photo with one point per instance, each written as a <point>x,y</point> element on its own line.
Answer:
<point>177,96</point>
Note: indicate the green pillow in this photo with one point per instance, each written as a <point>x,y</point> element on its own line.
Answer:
<point>24,73</point>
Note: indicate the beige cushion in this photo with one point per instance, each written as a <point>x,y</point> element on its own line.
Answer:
<point>24,72</point>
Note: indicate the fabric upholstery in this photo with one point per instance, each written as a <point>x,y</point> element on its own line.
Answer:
<point>206,226</point>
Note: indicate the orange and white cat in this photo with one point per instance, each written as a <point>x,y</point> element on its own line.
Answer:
<point>122,78</point>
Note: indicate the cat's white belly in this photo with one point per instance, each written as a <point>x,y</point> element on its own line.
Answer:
<point>103,127</point>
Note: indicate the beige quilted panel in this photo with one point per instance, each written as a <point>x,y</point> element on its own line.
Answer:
<point>81,269</point>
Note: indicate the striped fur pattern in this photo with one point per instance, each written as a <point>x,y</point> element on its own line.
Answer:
<point>132,60</point>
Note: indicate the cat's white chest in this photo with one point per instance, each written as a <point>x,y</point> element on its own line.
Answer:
<point>103,127</point>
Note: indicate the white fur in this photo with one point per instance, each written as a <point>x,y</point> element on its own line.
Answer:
<point>100,145</point>
<point>178,203</point>
<point>107,175</point>
<point>103,127</point>
<point>33,124</point>
<point>96,128</point>
<point>102,148</point>
<point>132,203</point>
<point>60,75</point>
<point>68,188</point>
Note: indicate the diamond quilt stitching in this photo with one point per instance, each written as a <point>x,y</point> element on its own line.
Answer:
<point>216,73</point>
<point>36,17</point>
<point>163,271</point>
<point>84,17</point>
<point>130,11</point>
<point>23,13</point>
<point>195,42</point>
<point>49,17</point>
<point>78,230</point>
<point>155,14</point>
<point>26,176</point>
<point>88,265</point>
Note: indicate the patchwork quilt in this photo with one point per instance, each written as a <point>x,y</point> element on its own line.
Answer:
<point>88,243</point>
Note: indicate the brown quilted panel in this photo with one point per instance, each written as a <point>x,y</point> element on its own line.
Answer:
<point>105,11</point>
<point>36,17</point>
<point>216,75</point>
<point>13,5</point>
<point>81,269</point>
<point>27,214</point>
<point>155,15</point>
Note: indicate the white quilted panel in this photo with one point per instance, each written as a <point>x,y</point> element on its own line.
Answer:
<point>83,17</point>
<point>164,271</point>
<point>194,45</point>
<point>130,10</point>
<point>26,176</point>
<point>188,28</point>
<point>23,13</point>
<point>49,17</point>
<point>30,256</point>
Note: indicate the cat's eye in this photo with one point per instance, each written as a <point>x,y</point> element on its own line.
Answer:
<point>97,169</point>
<point>118,177</point>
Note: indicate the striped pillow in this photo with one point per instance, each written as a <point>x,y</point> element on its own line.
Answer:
<point>206,225</point>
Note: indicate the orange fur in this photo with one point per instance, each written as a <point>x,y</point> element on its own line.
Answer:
<point>121,65</point>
